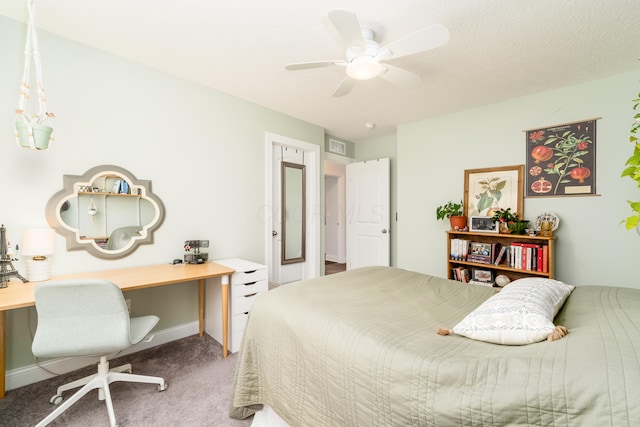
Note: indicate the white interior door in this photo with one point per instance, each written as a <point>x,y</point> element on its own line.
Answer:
<point>281,148</point>
<point>368,211</point>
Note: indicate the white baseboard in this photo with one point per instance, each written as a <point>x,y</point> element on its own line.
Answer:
<point>34,373</point>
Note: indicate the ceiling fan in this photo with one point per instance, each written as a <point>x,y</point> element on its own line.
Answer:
<point>365,59</point>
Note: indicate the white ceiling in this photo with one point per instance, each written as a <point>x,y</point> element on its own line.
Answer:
<point>499,49</point>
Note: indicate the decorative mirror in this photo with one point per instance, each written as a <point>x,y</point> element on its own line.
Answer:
<point>293,207</point>
<point>106,211</point>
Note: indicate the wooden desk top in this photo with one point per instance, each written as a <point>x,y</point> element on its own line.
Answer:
<point>19,294</point>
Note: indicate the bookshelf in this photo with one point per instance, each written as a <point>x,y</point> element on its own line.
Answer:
<point>510,265</point>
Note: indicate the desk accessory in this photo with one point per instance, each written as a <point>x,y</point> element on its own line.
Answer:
<point>38,243</point>
<point>7,270</point>
<point>195,257</point>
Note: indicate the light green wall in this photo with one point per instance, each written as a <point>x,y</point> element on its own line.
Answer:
<point>592,247</point>
<point>378,148</point>
<point>203,150</point>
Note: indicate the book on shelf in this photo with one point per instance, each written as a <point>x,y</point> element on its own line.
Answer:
<point>465,248</point>
<point>516,255</point>
<point>461,274</point>
<point>480,259</point>
<point>531,256</point>
<point>500,256</point>
<point>480,252</point>
<point>495,249</point>
<point>528,257</point>
<point>465,275</point>
<point>459,249</point>
<point>539,260</point>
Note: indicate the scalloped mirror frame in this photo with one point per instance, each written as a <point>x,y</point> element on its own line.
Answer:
<point>69,191</point>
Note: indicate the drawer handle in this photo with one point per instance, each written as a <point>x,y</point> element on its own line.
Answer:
<point>250,283</point>
<point>251,295</point>
<point>246,312</point>
<point>250,272</point>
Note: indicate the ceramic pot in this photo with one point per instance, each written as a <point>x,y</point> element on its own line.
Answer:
<point>458,222</point>
<point>519,227</point>
<point>41,135</point>
<point>503,228</point>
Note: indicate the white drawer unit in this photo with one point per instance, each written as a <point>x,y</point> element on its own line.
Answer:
<point>249,281</point>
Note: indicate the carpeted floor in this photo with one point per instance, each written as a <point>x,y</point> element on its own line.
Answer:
<point>198,394</point>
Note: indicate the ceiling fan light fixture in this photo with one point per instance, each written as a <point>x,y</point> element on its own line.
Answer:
<point>363,68</point>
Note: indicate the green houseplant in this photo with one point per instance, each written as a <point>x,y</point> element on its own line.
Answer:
<point>453,211</point>
<point>508,221</point>
<point>633,167</point>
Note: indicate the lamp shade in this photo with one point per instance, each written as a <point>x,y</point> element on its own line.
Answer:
<point>38,242</point>
<point>363,68</point>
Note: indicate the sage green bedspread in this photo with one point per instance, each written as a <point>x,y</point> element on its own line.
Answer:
<point>360,349</point>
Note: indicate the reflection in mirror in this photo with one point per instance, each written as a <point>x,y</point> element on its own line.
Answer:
<point>293,212</point>
<point>106,211</point>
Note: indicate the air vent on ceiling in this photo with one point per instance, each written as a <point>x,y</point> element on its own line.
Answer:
<point>337,147</point>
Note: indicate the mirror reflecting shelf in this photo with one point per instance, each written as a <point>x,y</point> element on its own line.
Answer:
<point>106,211</point>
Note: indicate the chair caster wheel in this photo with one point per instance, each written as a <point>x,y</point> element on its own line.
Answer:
<point>56,400</point>
<point>163,387</point>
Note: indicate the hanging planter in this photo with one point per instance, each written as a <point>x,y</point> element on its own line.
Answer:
<point>31,132</point>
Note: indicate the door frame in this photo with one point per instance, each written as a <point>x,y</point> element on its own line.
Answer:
<point>313,211</point>
<point>336,159</point>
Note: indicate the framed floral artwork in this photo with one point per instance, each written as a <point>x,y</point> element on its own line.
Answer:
<point>561,160</point>
<point>490,189</point>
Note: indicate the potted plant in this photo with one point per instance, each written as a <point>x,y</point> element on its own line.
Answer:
<point>507,221</point>
<point>633,168</point>
<point>453,211</point>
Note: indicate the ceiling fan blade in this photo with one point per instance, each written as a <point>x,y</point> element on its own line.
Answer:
<point>315,64</point>
<point>399,76</point>
<point>348,26</point>
<point>345,87</point>
<point>425,39</point>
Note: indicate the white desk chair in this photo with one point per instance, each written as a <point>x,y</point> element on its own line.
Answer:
<point>121,237</point>
<point>84,318</point>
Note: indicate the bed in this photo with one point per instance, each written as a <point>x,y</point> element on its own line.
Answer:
<point>360,348</point>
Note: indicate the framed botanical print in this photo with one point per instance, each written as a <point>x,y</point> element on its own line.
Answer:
<point>490,189</point>
<point>561,160</point>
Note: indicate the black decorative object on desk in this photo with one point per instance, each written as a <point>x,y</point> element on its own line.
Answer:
<point>6,262</point>
<point>195,257</point>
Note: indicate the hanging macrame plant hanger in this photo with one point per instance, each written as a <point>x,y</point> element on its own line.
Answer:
<point>31,132</point>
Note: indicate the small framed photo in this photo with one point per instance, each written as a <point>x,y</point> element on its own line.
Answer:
<point>484,276</point>
<point>483,224</point>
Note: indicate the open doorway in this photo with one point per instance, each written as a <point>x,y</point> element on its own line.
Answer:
<point>335,213</point>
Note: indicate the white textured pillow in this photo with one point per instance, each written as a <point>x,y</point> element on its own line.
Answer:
<point>521,313</point>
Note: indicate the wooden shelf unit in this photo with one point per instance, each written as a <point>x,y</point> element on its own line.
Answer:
<point>504,240</point>
<point>102,193</point>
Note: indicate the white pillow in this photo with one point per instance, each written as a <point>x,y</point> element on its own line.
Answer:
<point>521,313</point>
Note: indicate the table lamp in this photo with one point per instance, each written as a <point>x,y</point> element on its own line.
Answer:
<point>38,243</point>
